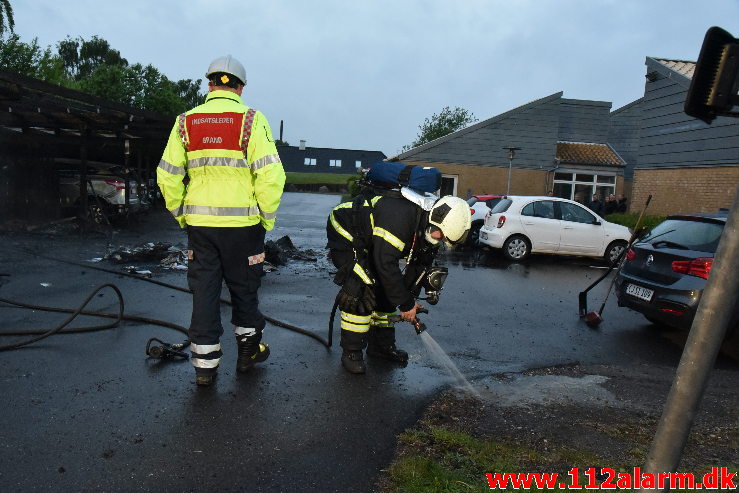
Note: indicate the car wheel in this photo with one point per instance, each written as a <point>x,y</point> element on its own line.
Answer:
<point>614,251</point>
<point>516,247</point>
<point>473,237</point>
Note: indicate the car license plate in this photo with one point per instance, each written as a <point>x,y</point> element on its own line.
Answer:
<point>639,292</point>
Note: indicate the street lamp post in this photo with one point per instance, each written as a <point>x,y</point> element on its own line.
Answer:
<point>511,154</point>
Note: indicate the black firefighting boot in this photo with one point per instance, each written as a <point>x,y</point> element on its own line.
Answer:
<point>382,345</point>
<point>205,379</point>
<point>388,352</point>
<point>251,351</point>
<point>353,361</point>
<point>353,343</point>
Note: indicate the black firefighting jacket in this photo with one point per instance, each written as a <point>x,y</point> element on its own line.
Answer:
<point>390,226</point>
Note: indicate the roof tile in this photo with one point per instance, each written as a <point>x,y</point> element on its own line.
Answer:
<point>680,66</point>
<point>585,153</point>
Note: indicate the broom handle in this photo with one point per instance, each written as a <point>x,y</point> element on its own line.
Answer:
<point>638,221</point>
<point>623,254</point>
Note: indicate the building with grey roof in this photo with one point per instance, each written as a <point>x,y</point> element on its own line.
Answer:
<point>572,147</point>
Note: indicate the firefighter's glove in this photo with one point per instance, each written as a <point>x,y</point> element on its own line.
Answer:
<point>356,297</point>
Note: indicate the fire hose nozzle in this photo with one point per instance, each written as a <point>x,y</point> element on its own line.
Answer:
<point>419,326</point>
<point>166,350</point>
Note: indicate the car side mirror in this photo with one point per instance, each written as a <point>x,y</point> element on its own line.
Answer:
<point>596,222</point>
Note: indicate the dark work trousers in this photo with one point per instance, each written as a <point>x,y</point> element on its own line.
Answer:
<point>357,328</point>
<point>233,254</point>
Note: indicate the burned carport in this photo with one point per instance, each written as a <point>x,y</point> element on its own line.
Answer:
<point>43,125</point>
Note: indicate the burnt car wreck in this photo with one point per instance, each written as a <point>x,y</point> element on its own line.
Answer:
<point>58,142</point>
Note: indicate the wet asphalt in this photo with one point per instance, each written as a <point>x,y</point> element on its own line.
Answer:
<point>90,412</point>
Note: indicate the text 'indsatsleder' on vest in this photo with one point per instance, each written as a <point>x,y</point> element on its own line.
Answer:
<point>197,121</point>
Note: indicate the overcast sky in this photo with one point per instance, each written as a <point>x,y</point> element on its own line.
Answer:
<point>365,74</point>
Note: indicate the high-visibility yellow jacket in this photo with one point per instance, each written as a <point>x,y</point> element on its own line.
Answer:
<point>226,151</point>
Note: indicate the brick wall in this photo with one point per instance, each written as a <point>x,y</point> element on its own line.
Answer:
<point>492,180</point>
<point>684,190</point>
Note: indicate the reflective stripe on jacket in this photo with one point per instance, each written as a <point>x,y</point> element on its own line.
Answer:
<point>226,151</point>
<point>390,225</point>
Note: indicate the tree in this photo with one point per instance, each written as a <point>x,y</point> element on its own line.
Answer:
<point>446,122</point>
<point>82,57</point>
<point>190,93</point>
<point>94,67</point>
<point>7,23</point>
<point>29,59</point>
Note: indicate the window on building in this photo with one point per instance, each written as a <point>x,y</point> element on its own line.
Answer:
<point>309,161</point>
<point>334,163</point>
<point>357,164</point>
<point>582,186</point>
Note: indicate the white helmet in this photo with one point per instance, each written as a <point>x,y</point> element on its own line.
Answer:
<point>229,65</point>
<point>452,216</point>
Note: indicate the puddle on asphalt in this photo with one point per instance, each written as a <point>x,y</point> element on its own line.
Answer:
<point>524,390</point>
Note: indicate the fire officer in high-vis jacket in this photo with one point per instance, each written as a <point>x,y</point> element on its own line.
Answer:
<point>222,179</point>
<point>368,239</point>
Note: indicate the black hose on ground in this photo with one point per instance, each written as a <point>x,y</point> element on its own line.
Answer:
<point>271,320</point>
<point>44,334</point>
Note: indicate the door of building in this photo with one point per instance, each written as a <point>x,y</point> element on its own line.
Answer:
<point>448,185</point>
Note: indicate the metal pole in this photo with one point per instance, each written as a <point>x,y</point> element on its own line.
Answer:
<point>511,154</point>
<point>714,313</point>
<point>510,167</point>
<point>84,134</point>
<point>126,177</point>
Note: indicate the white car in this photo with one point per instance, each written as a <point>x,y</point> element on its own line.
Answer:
<point>480,206</point>
<point>520,225</point>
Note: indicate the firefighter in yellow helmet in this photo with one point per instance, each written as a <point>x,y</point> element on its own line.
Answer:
<point>226,153</point>
<point>367,239</point>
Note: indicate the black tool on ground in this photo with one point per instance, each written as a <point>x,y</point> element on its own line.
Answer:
<point>592,318</point>
<point>166,350</point>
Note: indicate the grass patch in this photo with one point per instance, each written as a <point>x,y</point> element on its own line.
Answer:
<point>318,178</point>
<point>436,459</point>
<point>629,220</point>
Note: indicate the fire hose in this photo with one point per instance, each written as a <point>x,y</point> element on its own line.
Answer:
<point>166,350</point>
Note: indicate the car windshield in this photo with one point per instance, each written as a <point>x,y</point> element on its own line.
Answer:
<point>697,235</point>
<point>471,201</point>
<point>501,206</point>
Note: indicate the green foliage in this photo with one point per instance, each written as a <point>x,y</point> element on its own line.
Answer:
<point>81,58</point>
<point>453,461</point>
<point>317,178</point>
<point>7,23</point>
<point>352,184</point>
<point>29,59</point>
<point>94,67</point>
<point>447,121</point>
<point>279,142</point>
<point>629,220</point>
<point>189,92</point>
